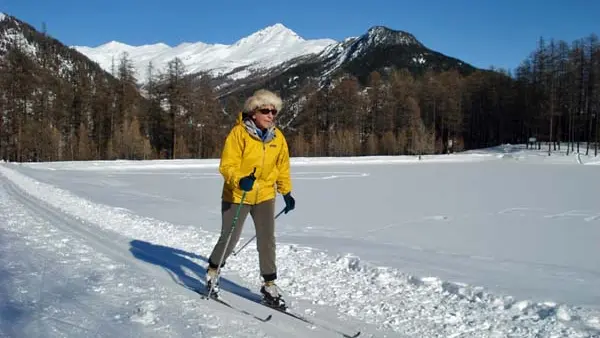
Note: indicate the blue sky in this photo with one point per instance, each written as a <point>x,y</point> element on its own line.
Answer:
<point>482,32</point>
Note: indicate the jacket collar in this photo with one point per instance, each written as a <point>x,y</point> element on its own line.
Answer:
<point>264,136</point>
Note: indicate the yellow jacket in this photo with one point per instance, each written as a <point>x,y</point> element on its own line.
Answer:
<point>243,151</point>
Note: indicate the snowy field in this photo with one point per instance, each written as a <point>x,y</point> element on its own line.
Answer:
<point>500,242</point>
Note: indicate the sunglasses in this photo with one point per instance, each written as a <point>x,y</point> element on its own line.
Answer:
<point>266,111</point>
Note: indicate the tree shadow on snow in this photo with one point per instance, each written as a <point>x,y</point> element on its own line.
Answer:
<point>179,263</point>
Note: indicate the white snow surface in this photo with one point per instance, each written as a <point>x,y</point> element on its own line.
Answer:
<point>2,16</point>
<point>263,49</point>
<point>499,242</point>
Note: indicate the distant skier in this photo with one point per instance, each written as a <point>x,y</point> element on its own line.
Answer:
<point>255,163</point>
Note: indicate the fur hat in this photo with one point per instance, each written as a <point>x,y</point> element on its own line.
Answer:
<point>261,98</point>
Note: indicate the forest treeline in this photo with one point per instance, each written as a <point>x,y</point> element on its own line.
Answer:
<point>51,112</point>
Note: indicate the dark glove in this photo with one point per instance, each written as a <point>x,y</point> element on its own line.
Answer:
<point>247,182</point>
<point>290,202</point>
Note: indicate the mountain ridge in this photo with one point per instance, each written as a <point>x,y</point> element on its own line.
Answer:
<point>275,57</point>
<point>265,48</point>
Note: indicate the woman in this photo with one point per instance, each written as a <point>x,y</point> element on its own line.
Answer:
<point>255,165</point>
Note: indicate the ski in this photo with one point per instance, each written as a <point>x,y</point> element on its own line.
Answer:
<point>310,322</point>
<point>269,317</point>
<point>218,300</point>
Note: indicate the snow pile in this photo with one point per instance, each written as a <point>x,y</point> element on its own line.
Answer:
<point>383,297</point>
<point>422,306</point>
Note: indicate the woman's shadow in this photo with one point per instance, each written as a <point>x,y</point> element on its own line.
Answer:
<point>176,262</point>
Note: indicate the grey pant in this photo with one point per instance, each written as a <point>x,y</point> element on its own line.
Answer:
<point>263,216</point>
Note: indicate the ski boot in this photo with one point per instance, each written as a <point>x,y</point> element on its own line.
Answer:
<point>272,296</point>
<point>211,277</point>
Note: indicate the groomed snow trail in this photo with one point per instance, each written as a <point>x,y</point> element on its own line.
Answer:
<point>66,277</point>
<point>60,284</point>
<point>353,294</point>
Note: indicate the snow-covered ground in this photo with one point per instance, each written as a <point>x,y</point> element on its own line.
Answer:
<point>499,242</point>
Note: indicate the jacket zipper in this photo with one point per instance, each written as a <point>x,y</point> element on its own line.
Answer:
<point>261,170</point>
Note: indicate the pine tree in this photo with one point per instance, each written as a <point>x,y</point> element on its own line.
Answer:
<point>176,95</point>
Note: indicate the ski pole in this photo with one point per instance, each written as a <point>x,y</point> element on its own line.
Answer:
<point>251,239</point>
<point>235,218</point>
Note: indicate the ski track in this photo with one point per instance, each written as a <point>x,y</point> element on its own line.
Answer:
<point>378,297</point>
<point>90,291</point>
<point>41,309</point>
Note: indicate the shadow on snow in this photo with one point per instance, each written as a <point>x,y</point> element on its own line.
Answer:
<point>179,263</point>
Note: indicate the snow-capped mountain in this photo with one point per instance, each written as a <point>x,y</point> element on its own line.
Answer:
<point>380,49</point>
<point>376,37</point>
<point>264,49</point>
<point>274,56</point>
